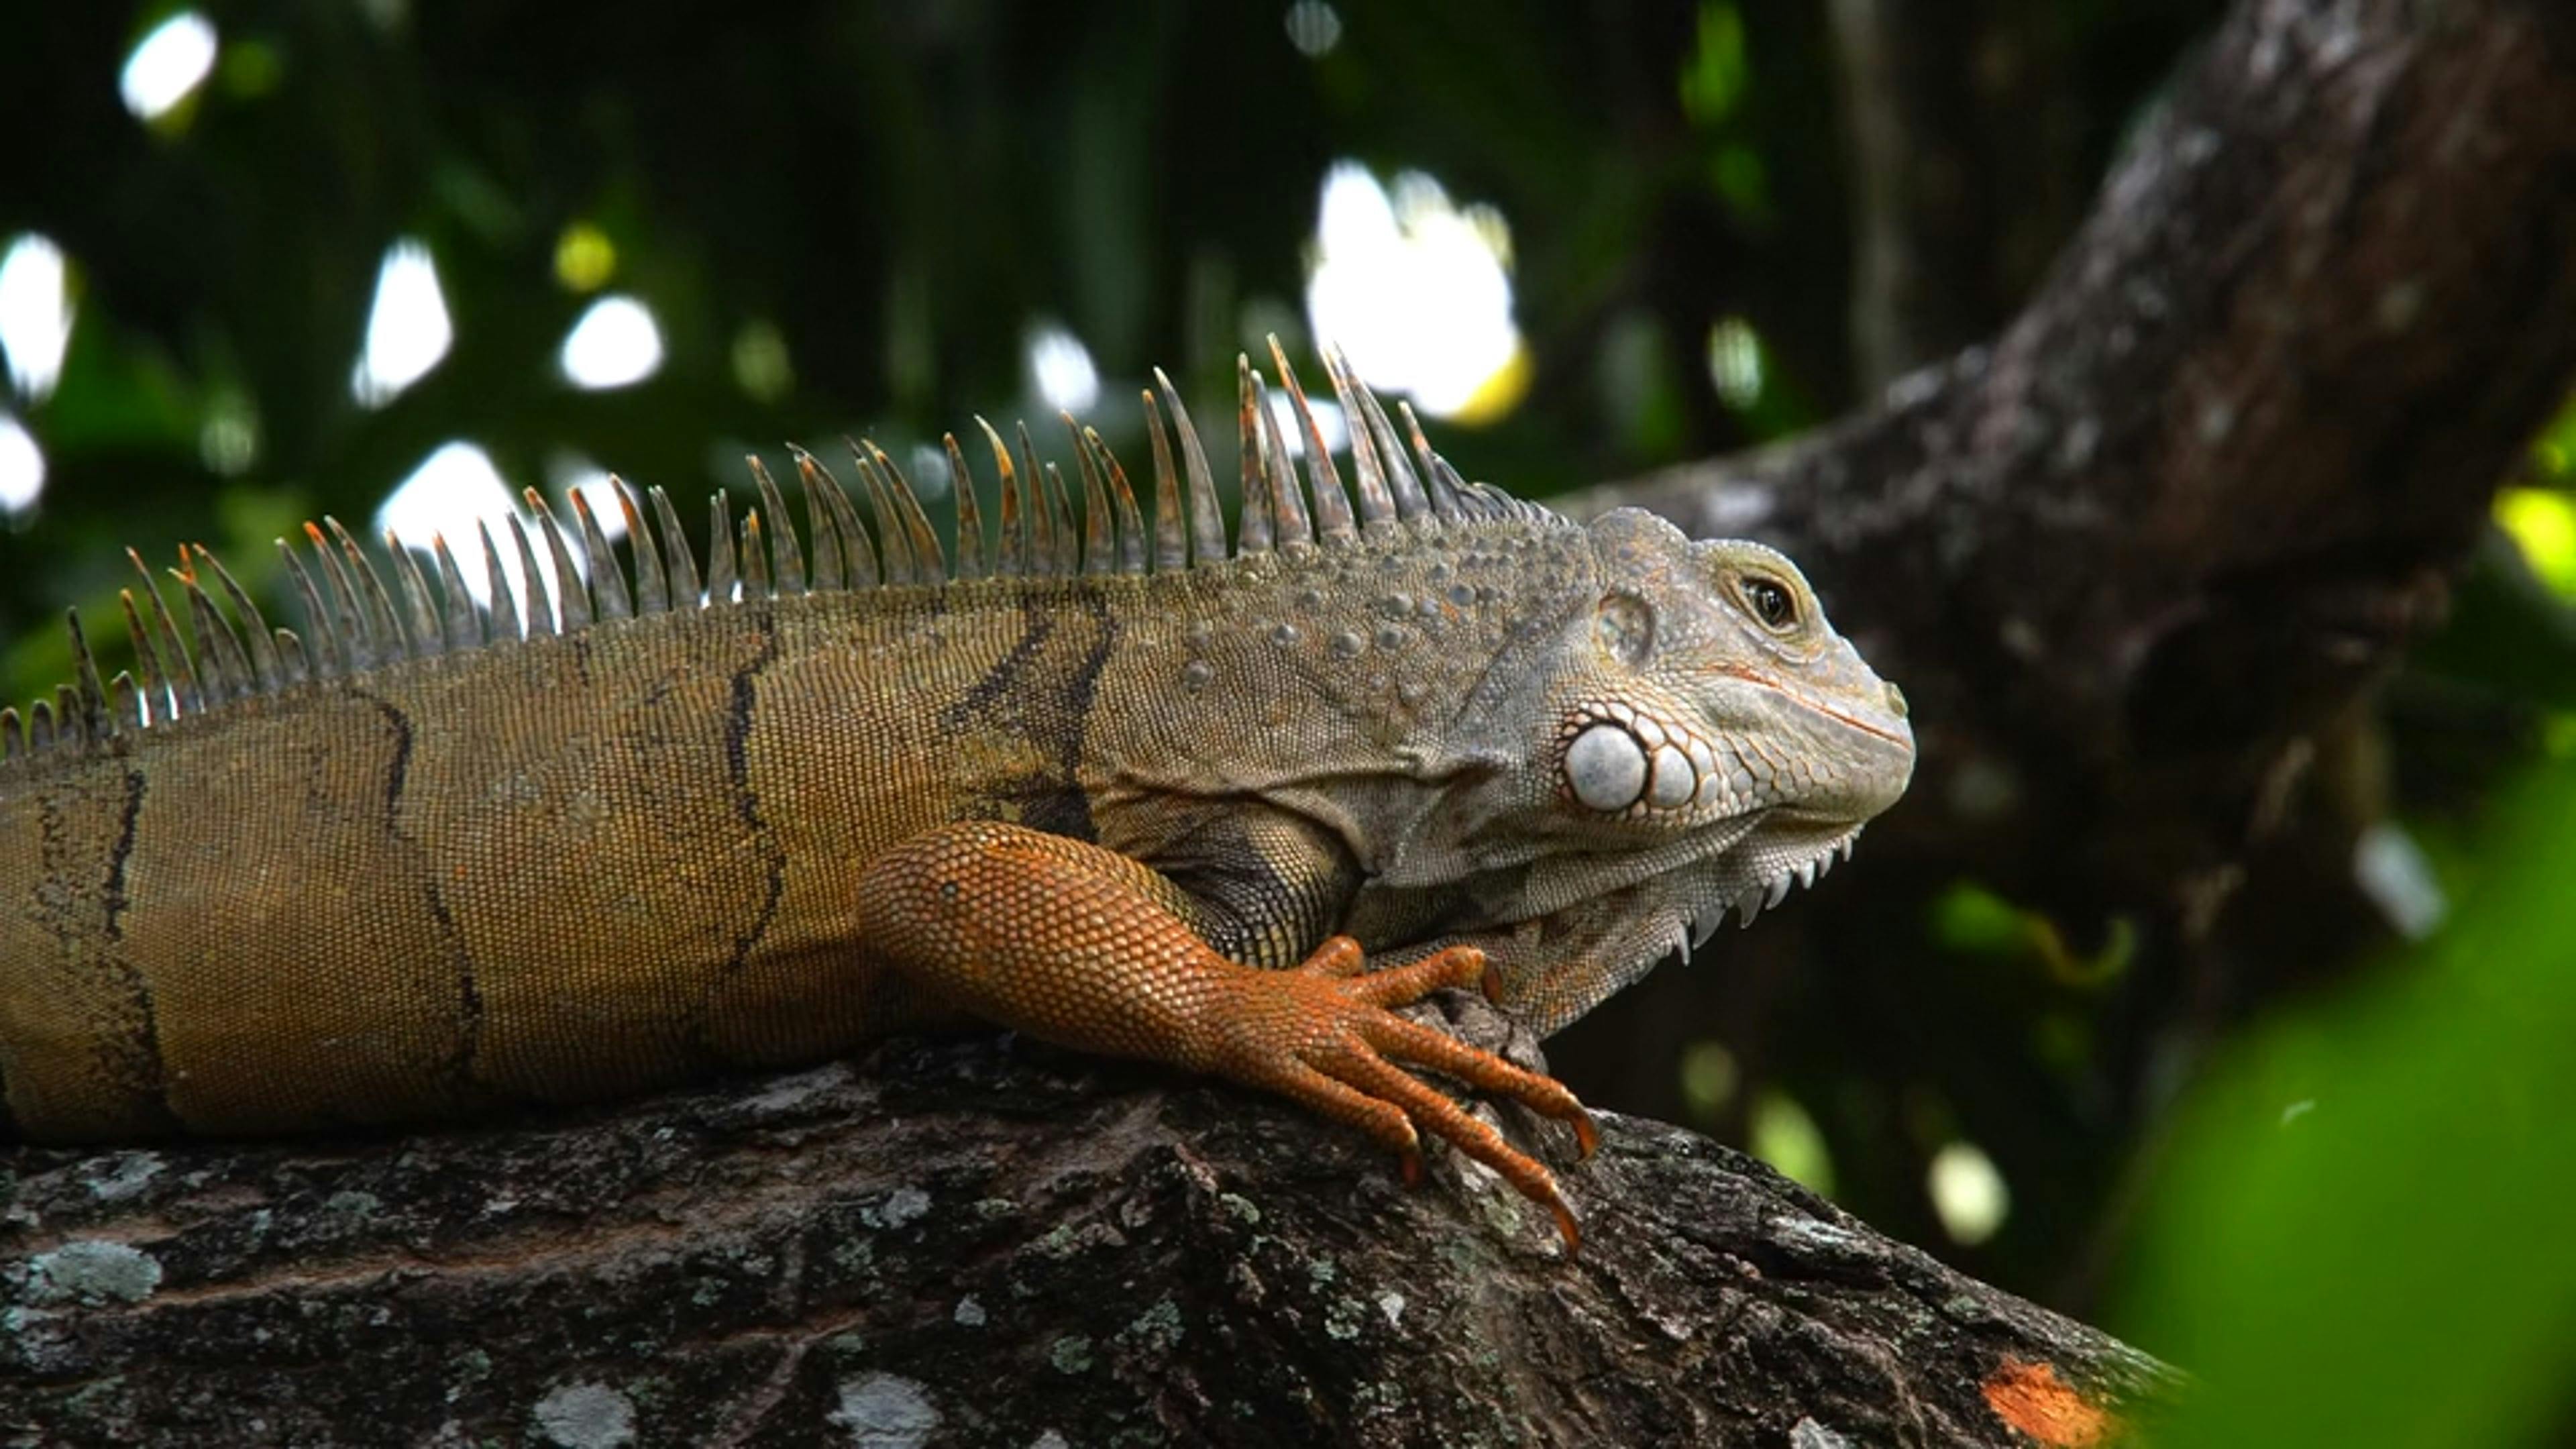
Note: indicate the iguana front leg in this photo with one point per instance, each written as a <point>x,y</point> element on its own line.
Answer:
<point>1084,947</point>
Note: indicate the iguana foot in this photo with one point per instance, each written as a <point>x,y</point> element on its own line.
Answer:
<point>1085,947</point>
<point>1326,1035</point>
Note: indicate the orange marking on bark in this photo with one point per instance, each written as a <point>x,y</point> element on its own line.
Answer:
<point>2033,1399</point>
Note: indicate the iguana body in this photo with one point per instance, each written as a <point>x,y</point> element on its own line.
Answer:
<point>439,875</point>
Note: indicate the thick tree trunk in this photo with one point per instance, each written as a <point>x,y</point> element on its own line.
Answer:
<point>2128,560</point>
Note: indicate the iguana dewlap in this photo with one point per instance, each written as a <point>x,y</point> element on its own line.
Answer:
<point>1127,788</point>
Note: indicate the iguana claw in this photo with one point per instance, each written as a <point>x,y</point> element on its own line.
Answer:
<point>1328,1037</point>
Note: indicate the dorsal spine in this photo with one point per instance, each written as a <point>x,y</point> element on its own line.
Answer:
<point>355,622</point>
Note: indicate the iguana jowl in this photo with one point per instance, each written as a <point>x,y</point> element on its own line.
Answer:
<point>411,864</point>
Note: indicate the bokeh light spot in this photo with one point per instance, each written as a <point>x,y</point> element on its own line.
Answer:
<point>1735,362</point>
<point>1314,27</point>
<point>2542,524</point>
<point>407,329</point>
<point>1417,290</point>
<point>584,258</point>
<point>1060,368</point>
<point>167,65</point>
<point>1968,1192</point>
<point>615,344</point>
<point>22,467</point>
<point>761,365</point>
<point>1783,1135</point>
<point>35,313</point>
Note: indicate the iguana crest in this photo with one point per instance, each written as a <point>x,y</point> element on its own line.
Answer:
<point>357,621</point>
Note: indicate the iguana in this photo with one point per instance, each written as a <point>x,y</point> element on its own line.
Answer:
<point>1123,787</point>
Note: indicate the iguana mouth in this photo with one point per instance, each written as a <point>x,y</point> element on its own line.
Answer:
<point>1814,703</point>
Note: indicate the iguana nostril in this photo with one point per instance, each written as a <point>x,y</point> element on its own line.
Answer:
<point>1895,701</point>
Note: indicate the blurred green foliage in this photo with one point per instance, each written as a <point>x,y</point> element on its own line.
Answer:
<point>2360,1236</point>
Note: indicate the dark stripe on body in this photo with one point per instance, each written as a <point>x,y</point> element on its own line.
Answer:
<point>744,705</point>
<point>147,1027</point>
<point>135,1064</point>
<point>398,774</point>
<point>1036,627</point>
<point>1005,701</point>
<point>458,1070</point>
<point>123,852</point>
<point>1080,691</point>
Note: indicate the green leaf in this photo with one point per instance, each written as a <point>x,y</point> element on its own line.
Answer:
<point>2361,1238</point>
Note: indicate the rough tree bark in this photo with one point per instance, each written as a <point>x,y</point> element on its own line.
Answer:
<point>979,1242</point>
<point>2126,559</point>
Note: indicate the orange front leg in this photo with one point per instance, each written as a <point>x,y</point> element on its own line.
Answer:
<point>1087,948</point>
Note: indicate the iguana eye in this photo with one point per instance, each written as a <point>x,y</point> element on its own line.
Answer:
<point>1774,605</point>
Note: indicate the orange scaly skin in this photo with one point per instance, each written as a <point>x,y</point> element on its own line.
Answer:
<point>1076,945</point>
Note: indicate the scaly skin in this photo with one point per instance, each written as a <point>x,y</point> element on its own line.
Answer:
<point>1161,814</point>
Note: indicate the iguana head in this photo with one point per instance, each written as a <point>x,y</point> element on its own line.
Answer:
<point>1577,747</point>
<point>1688,739</point>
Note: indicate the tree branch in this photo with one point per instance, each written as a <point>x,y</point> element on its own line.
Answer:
<point>2130,556</point>
<point>1000,1241</point>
